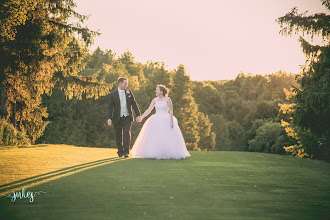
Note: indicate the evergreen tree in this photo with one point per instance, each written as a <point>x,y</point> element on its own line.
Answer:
<point>220,128</point>
<point>207,137</point>
<point>157,74</point>
<point>312,101</point>
<point>40,50</point>
<point>185,107</point>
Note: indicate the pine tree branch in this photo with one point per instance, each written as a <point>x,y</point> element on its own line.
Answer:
<point>75,86</point>
<point>313,25</point>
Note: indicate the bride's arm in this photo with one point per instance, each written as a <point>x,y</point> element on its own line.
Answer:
<point>147,112</point>
<point>171,111</point>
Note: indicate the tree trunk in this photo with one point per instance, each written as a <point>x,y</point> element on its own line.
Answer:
<point>3,100</point>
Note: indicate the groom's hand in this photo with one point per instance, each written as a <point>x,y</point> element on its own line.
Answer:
<point>109,122</point>
<point>138,119</point>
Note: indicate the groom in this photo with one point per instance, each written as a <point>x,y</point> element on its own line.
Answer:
<point>121,115</point>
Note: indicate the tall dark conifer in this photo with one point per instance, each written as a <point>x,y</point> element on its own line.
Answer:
<point>42,43</point>
<point>185,107</point>
<point>311,115</point>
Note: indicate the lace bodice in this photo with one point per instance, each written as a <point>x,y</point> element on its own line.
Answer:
<point>161,107</point>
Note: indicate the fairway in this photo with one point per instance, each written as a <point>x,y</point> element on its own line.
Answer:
<point>207,185</point>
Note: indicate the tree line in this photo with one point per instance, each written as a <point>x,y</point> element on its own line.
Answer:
<point>213,115</point>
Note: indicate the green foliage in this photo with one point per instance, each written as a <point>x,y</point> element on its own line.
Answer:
<point>220,128</point>
<point>41,50</point>
<point>266,136</point>
<point>311,113</point>
<point>98,58</point>
<point>157,74</point>
<point>267,109</point>
<point>282,140</point>
<point>207,137</point>
<point>236,107</point>
<point>9,136</point>
<point>184,107</point>
<point>236,136</point>
<point>252,133</point>
<point>78,122</point>
<point>256,88</point>
<point>209,99</point>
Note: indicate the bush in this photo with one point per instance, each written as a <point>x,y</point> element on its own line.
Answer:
<point>9,136</point>
<point>265,138</point>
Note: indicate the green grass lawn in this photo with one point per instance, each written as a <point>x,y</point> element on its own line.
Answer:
<point>207,185</point>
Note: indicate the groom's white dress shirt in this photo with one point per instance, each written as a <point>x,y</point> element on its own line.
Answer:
<point>123,104</point>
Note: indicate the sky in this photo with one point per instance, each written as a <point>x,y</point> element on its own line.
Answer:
<point>213,39</point>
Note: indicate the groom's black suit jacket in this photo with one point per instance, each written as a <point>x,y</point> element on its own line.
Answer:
<point>114,106</point>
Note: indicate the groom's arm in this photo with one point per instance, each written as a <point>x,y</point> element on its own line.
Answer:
<point>135,106</point>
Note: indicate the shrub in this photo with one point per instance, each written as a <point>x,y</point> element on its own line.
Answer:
<point>10,136</point>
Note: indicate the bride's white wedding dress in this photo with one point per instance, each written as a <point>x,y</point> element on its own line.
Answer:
<point>157,139</point>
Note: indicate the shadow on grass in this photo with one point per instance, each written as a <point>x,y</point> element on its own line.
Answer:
<point>45,176</point>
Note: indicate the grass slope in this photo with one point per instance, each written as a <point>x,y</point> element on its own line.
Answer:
<point>208,185</point>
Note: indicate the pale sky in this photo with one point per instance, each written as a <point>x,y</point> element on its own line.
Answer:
<point>213,39</point>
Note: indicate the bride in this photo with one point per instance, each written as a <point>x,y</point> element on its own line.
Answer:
<point>160,136</point>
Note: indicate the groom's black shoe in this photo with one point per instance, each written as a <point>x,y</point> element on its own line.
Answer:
<point>120,155</point>
<point>126,156</point>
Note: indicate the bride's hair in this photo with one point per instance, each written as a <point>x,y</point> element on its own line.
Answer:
<point>163,89</point>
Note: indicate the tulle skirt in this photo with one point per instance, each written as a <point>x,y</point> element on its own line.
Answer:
<point>158,140</point>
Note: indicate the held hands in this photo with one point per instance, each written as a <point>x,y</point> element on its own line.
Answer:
<point>139,119</point>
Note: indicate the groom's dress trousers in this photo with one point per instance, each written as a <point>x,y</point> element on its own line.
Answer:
<point>123,135</point>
